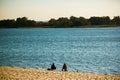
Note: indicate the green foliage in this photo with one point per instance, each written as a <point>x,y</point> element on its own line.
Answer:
<point>75,21</point>
<point>62,22</point>
<point>52,22</point>
<point>7,23</point>
<point>100,20</point>
<point>116,20</point>
<point>24,22</point>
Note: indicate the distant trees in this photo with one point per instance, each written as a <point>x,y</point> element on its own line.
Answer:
<point>116,20</point>
<point>60,22</point>
<point>81,21</point>
<point>7,23</point>
<point>24,22</point>
<point>63,22</point>
<point>100,20</point>
<point>52,22</point>
<point>20,22</point>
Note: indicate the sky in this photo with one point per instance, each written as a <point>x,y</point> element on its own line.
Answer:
<point>42,10</point>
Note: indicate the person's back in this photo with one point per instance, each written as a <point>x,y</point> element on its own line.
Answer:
<point>64,68</point>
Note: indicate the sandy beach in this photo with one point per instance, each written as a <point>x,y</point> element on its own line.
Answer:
<point>14,73</point>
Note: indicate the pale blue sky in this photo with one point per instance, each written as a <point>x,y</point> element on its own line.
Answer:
<point>46,9</point>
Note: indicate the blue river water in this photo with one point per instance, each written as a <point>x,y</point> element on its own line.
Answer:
<point>94,50</point>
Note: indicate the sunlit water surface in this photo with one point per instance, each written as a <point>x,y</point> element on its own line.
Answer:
<point>82,49</point>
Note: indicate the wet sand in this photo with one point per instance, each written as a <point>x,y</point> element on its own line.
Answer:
<point>14,73</point>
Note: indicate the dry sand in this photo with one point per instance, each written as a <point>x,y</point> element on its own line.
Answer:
<point>13,73</point>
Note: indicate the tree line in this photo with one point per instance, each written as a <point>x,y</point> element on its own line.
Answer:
<point>62,22</point>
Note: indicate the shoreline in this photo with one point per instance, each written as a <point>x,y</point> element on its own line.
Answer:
<point>85,26</point>
<point>16,73</point>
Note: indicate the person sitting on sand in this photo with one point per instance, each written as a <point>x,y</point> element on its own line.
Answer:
<point>53,67</point>
<point>64,68</point>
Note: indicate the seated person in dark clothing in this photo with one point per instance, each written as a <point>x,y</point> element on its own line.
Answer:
<point>64,68</point>
<point>52,67</point>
